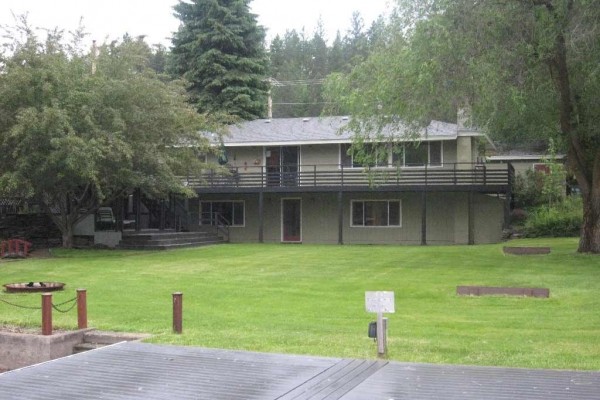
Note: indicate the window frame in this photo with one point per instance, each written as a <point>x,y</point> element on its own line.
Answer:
<point>343,148</point>
<point>243,202</point>
<point>388,201</point>
<point>428,164</point>
<point>342,154</point>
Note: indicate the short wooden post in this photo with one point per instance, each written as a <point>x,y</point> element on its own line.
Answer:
<point>177,312</point>
<point>81,309</point>
<point>47,314</point>
<point>381,335</point>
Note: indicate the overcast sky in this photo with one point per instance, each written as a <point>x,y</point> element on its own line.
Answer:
<point>154,18</point>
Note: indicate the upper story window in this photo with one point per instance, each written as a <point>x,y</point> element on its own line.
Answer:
<point>420,155</point>
<point>411,155</point>
<point>356,159</point>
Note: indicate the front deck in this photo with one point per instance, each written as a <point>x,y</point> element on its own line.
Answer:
<point>482,178</point>
<point>145,371</point>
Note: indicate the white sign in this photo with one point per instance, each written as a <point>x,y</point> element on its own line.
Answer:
<point>379,302</point>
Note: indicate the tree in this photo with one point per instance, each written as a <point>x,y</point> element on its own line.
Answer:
<point>72,140</point>
<point>525,68</point>
<point>301,63</point>
<point>219,49</point>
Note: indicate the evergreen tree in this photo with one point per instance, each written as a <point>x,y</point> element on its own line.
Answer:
<point>219,49</point>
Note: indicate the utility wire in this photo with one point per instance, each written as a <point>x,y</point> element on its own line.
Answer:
<point>317,102</point>
<point>297,82</point>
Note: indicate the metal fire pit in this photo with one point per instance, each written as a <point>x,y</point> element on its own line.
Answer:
<point>28,287</point>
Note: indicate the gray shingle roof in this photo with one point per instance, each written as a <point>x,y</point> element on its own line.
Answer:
<point>297,131</point>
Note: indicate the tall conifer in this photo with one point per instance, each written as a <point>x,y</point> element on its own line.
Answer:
<point>219,49</point>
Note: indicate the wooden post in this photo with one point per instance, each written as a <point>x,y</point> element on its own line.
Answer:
<point>471,226</point>
<point>177,312</point>
<point>161,226</point>
<point>137,198</point>
<point>381,335</point>
<point>47,314</point>
<point>423,218</point>
<point>261,207</point>
<point>82,308</point>
<point>340,218</point>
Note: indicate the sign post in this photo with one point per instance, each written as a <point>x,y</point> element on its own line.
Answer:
<point>380,302</point>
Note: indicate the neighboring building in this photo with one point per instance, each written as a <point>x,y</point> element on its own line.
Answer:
<point>293,180</point>
<point>523,161</point>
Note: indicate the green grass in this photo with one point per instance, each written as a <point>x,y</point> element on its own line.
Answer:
<point>307,299</point>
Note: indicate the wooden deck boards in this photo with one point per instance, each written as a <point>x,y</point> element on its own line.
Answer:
<point>145,371</point>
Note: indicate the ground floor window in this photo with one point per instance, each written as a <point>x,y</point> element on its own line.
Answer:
<point>376,213</point>
<point>232,211</point>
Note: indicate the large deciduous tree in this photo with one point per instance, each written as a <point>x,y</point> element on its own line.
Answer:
<point>219,49</point>
<point>72,139</point>
<point>526,68</point>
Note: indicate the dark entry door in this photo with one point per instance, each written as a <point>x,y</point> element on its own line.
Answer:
<point>291,220</point>
<point>289,166</point>
<point>282,165</point>
<point>273,158</point>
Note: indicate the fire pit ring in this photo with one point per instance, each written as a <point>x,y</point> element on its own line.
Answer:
<point>32,287</point>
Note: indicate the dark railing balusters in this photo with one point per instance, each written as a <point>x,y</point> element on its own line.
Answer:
<point>338,175</point>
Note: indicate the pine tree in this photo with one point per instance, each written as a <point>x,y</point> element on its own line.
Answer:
<point>219,49</point>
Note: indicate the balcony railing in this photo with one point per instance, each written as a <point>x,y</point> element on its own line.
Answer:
<point>330,175</point>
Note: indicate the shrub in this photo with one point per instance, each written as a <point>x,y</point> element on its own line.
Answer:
<point>518,216</point>
<point>559,220</point>
<point>527,189</point>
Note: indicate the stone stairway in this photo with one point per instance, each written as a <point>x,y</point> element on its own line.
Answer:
<point>95,339</point>
<point>165,240</point>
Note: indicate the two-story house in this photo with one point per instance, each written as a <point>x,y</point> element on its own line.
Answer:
<point>294,180</point>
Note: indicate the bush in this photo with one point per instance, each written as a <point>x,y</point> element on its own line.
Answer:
<point>527,189</point>
<point>534,188</point>
<point>559,220</point>
<point>518,216</point>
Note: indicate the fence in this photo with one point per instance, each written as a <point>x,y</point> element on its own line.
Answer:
<point>47,306</point>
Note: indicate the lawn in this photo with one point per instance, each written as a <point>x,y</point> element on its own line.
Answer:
<point>309,299</point>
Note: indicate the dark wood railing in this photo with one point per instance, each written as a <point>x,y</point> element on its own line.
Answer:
<point>218,221</point>
<point>308,176</point>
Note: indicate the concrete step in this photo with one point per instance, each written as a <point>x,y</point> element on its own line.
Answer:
<point>155,241</point>
<point>127,246</point>
<point>96,339</point>
<point>106,337</point>
<point>164,235</point>
<point>81,347</point>
<point>168,240</point>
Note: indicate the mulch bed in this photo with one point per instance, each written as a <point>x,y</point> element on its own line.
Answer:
<point>498,291</point>
<point>521,251</point>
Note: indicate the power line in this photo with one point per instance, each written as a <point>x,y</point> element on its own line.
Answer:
<point>317,102</point>
<point>297,82</point>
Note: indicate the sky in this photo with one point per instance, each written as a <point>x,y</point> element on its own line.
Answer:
<point>110,19</point>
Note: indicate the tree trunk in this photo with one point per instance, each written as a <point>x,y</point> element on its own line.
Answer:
<point>586,172</point>
<point>589,241</point>
<point>67,237</point>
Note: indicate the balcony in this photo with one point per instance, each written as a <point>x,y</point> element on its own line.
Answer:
<point>492,178</point>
